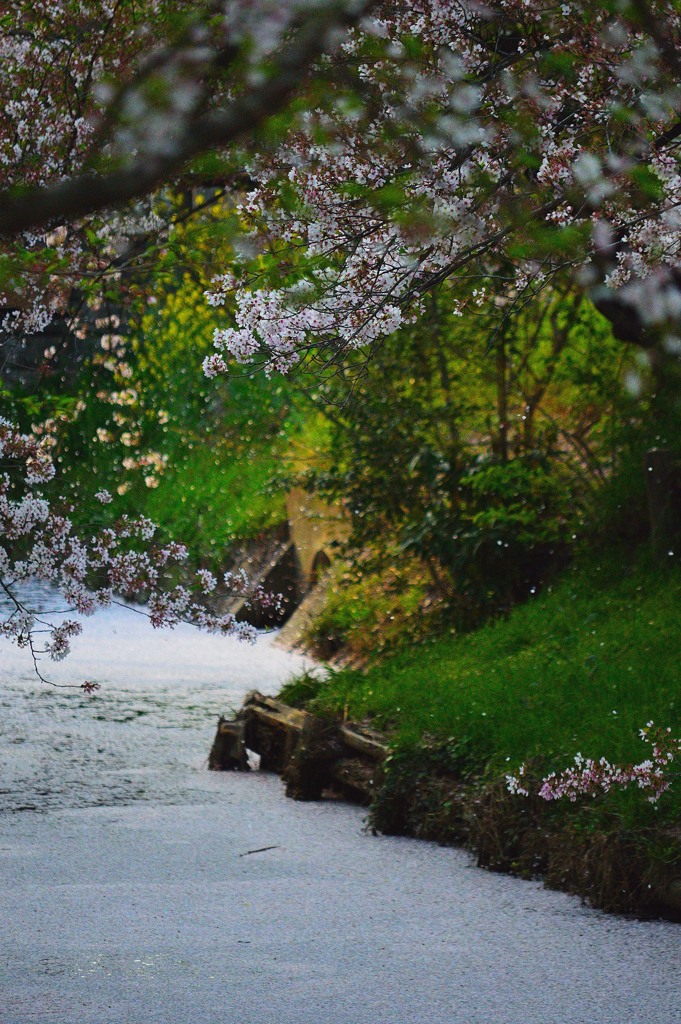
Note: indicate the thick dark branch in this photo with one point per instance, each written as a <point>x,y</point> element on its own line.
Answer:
<point>661,32</point>
<point>670,135</point>
<point>91,192</point>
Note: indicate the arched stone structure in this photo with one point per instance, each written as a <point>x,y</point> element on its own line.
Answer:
<point>293,559</point>
<point>314,526</point>
<point>321,563</point>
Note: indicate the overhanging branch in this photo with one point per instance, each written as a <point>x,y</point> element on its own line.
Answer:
<point>91,192</point>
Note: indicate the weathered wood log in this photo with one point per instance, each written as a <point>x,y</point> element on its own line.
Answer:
<point>311,754</point>
<point>355,777</point>
<point>364,741</point>
<point>272,713</point>
<point>271,729</point>
<point>308,772</point>
<point>228,752</point>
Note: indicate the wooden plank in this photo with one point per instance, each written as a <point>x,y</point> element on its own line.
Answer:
<point>363,742</point>
<point>310,753</point>
<point>275,719</point>
<point>274,711</point>
<point>228,752</point>
<point>356,776</point>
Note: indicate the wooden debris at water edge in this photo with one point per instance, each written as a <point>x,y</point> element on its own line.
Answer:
<point>311,754</point>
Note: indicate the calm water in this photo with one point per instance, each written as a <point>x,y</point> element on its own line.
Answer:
<point>140,888</point>
<point>146,734</point>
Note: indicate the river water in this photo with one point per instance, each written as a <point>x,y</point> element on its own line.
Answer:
<point>145,735</point>
<point>139,888</point>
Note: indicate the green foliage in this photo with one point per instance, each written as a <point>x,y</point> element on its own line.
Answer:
<point>297,692</point>
<point>145,424</point>
<point>551,241</point>
<point>523,502</point>
<point>418,792</point>
<point>205,431</point>
<point>650,420</point>
<point>369,611</point>
<point>511,519</point>
<point>476,447</point>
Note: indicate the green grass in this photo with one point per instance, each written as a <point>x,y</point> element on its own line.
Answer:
<point>580,668</point>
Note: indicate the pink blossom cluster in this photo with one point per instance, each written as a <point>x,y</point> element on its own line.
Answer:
<point>489,123</point>
<point>40,543</point>
<point>440,128</point>
<point>95,84</point>
<point>588,777</point>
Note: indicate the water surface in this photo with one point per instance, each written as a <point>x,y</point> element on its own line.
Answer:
<point>133,891</point>
<point>145,735</point>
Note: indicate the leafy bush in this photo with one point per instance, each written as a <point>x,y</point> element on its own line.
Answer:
<point>478,454</point>
<point>368,612</point>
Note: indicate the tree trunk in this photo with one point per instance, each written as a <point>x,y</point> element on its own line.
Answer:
<point>662,488</point>
<point>502,400</point>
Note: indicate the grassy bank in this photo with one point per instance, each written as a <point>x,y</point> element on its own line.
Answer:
<point>580,668</point>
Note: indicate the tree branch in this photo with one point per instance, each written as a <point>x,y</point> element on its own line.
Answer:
<point>90,192</point>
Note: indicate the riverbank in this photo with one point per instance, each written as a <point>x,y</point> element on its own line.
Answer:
<point>164,915</point>
<point>138,886</point>
<point>581,668</point>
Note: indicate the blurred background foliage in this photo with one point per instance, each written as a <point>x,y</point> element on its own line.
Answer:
<point>472,451</point>
<point>480,451</point>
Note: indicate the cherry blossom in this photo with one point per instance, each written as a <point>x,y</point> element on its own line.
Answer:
<point>590,777</point>
<point>525,133</point>
<point>40,543</point>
